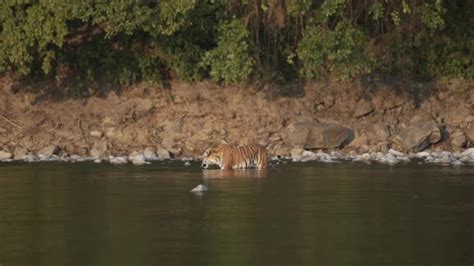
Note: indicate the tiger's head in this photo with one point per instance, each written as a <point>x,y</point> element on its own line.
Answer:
<point>213,156</point>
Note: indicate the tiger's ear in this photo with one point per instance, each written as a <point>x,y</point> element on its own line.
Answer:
<point>206,153</point>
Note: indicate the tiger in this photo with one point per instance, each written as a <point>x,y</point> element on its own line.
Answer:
<point>228,157</point>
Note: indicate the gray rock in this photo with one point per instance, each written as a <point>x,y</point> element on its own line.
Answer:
<point>419,136</point>
<point>316,135</point>
<point>363,107</point>
<point>5,155</point>
<point>50,150</point>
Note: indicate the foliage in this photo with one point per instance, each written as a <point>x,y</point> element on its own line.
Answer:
<point>230,61</point>
<point>341,52</point>
<point>236,41</point>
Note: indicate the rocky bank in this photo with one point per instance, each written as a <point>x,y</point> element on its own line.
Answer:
<point>364,120</point>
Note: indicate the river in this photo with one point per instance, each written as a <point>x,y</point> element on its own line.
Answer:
<point>295,214</point>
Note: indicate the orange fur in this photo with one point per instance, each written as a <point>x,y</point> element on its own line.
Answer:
<point>227,157</point>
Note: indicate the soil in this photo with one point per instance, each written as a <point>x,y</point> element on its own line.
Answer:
<point>187,118</point>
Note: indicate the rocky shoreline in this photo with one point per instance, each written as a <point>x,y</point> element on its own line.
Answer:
<point>327,122</point>
<point>392,157</point>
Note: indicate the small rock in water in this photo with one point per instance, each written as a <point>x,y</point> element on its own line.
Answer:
<point>187,164</point>
<point>200,189</point>
<point>97,161</point>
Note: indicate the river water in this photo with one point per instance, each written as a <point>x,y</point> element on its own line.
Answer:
<point>296,214</point>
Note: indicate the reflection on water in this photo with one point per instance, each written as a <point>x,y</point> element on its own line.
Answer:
<point>296,214</point>
<point>238,173</point>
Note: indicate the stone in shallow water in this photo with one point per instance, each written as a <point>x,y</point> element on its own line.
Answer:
<point>200,189</point>
<point>187,164</point>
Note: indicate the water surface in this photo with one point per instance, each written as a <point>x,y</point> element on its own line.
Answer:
<point>296,214</point>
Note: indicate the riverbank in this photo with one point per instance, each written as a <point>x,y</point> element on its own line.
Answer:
<point>371,120</point>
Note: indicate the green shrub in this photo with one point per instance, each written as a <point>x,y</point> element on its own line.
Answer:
<point>230,61</point>
<point>340,52</point>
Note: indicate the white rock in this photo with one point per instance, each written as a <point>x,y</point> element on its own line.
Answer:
<point>422,154</point>
<point>396,153</point>
<point>97,161</point>
<point>468,152</point>
<point>187,164</point>
<point>75,157</point>
<point>118,160</point>
<point>139,160</point>
<point>150,154</point>
<point>200,189</point>
<point>4,155</point>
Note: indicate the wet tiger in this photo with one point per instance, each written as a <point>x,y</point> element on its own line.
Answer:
<point>227,157</point>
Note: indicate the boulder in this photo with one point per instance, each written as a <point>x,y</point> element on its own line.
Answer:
<point>50,150</point>
<point>316,135</point>
<point>20,153</point>
<point>419,136</point>
<point>363,107</point>
<point>163,154</point>
<point>5,155</point>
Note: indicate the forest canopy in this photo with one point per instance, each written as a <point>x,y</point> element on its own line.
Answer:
<point>234,42</point>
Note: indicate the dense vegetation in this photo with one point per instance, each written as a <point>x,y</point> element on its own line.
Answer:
<point>233,42</point>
